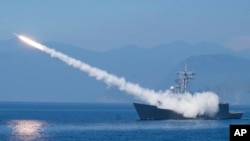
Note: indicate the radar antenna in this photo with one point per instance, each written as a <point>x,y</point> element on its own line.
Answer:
<point>184,77</point>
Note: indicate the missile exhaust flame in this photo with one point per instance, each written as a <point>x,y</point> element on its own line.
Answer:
<point>190,105</point>
<point>31,42</point>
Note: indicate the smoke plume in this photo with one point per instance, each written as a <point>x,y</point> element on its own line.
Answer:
<point>189,105</point>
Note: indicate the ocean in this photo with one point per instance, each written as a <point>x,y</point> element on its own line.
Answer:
<point>103,122</point>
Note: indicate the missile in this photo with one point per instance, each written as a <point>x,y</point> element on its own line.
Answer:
<point>30,42</point>
<point>16,34</point>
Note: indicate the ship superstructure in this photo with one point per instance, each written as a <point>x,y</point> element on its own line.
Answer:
<point>152,112</point>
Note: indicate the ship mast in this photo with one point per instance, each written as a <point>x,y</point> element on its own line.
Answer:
<point>184,77</point>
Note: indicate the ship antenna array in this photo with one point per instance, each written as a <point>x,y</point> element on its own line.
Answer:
<point>184,77</point>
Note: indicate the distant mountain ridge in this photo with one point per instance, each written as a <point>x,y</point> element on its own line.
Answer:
<point>30,75</point>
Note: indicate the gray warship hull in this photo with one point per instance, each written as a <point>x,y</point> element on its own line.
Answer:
<point>150,112</point>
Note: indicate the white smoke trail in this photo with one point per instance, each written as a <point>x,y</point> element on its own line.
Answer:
<point>190,105</point>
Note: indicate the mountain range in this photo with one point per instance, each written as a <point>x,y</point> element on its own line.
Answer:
<point>28,74</point>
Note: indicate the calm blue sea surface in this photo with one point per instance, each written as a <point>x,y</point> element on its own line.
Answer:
<point>105,122</point>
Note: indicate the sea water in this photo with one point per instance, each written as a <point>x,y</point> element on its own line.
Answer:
<point>103,122</point>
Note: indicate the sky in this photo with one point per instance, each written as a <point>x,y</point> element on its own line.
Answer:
<point>110,24</point>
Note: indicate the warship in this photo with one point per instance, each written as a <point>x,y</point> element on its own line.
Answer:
<point>152,112</point>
